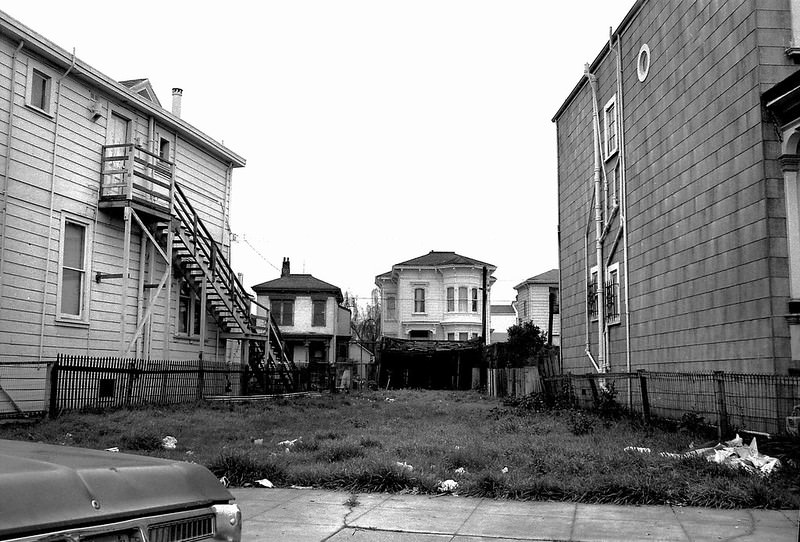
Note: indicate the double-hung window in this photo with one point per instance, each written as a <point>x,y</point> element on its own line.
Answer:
<point>610,126</point>
<point>188,310</point>
<point>419,299</point>
<point>73,270</point>
<point>39,91</point>
<point>391,308</point>
<point>462,299</point>
<point>474,300</point>
<point>318,312</point>
<point>283,311</point>
<point>451,299</point>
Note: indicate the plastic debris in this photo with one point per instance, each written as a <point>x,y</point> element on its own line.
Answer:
<point>732,453</point>
<point>288,443</point>
<point>189,452</point>
<point>264,483</point>
<point>258,441</point>
<point>448,486</point>
<point>224,481</point>
<point>461,470</point>
<point>505,470</point>
<point>169,443</point>
<point>405,466</point>
<point>115,449</point>
<point>389,400</point>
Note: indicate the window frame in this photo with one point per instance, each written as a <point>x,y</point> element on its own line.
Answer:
<point>193,308</point>
<point>391,308</point>
<point>451,299</point>
<point>593,282</point>
<point>315,303</point>
<point>48,93</point>
<point>611,104</point>
<point>474,300</point>
<point>281,314</point>
<point>419,300</point>
<point>612,269</point>
<point>463,301</point>
<point>82,317</point>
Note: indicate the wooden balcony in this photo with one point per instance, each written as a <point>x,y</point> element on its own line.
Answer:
<point>133,176</point>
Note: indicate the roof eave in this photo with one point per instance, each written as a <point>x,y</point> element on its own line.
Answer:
<point>55,54</point>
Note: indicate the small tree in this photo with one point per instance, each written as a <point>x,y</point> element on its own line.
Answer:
<point>525,343</point>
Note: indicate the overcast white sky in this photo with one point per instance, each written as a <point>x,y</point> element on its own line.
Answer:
<point>374,131</point>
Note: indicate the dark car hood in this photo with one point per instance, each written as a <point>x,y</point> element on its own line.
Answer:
<point>45,487</point>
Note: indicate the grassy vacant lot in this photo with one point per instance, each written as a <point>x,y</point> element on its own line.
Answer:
<point>355,442</point>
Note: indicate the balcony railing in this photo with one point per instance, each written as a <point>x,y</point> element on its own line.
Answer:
<point>132,173</point>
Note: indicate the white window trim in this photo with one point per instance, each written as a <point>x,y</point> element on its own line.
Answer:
<point>391,316</point>
<point>614,267</point>
<point>593,272</point>
<point>83,317</point>
<point>609,104</point>
<point>50,90</point>
<point>425,300</point>
<point>194,300</point>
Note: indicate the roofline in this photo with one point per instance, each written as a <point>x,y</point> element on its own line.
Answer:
<point>40,45</point>
<point>540,282</point>
<point>599,58</point>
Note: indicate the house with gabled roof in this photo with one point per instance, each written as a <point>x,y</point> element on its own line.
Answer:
<point>537,302</point>
<point>313,324</point>
<point>437,296</point>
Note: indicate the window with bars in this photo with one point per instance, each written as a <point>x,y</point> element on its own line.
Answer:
<point>612,295</point>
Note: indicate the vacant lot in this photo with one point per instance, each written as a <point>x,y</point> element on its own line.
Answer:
<point>414,440</point>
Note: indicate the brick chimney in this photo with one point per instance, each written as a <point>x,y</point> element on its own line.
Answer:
<point>177,95</point>
<point>285,268</point>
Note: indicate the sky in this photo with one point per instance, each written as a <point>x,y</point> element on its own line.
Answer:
<point>374,131</point>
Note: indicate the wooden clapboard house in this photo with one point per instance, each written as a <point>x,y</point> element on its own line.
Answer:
<point>114,236</point>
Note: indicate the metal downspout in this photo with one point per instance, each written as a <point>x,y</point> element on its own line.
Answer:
<point>598,220</point>
<point>623,208</point>
<point>52,203</point>
<point>9,140</point>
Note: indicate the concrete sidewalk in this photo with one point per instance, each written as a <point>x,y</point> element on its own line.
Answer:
<point>314,515</point>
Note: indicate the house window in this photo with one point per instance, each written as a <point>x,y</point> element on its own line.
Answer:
<point>188,310</point>
<point>613,188</point>
<point>419,299</point>
<point>474,335</point>
<point>283,311</point>
<point>72,285</point>
<point>591,294</point>
<point>318,312</point>
<point>39,92</point>
<point>474,300</point>
<point>391,308</point>
<point>462,299</point>
<point>524,309</point>
<point>643,62</point>
<point>612,294</point>
<point>451,299</point>
<point>451,336</point>
<point>463,336</point>
<point>610,123</point>
<point>163,149</point>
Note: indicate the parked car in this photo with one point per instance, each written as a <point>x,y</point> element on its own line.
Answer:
<point>65,494</point>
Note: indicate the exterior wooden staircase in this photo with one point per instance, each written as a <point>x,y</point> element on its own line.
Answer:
<point>198,257</point>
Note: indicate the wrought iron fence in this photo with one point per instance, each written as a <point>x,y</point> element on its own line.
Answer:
<point>749,402</point>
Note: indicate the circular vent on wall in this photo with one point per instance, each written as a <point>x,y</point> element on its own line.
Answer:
<point>643,62</point>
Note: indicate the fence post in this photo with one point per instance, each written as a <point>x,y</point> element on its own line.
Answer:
<point>53,407</point>
<point>200,377</point>
<point>243,378</point>
<point>722,410</point>
<point>645,397</point>
<point>129,385</point>
<point>593,385</point>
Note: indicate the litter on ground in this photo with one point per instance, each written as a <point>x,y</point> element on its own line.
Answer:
<point>169,443</point>
<point>289,443</point>
<point>448,486</point>
<point>732,453</point>
<point>264,483</point>
<point>406,466</point>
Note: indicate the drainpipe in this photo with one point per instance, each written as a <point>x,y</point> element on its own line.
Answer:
<point>623,209</point>
<point>598,220</point>
<point>52,203</point>
<point>9,140</point>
